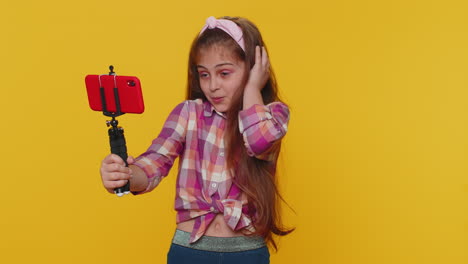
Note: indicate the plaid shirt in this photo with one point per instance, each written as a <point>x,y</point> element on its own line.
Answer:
<point>194,131</point>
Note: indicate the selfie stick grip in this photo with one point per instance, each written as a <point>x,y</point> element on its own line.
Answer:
<point>119,147</point>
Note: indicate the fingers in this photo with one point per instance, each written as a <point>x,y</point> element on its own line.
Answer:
<point>112,158</point>
<point>114,173</point>
<point>258,55</point>
<point>260,72</point>
<point>111,185</point>
<point>115,167</point>
<point>261,57</point>
<point>113,163</point>
<point>130,160</point>
<point>112,180</point>
<point>265,60</point>
<point>117,176</point>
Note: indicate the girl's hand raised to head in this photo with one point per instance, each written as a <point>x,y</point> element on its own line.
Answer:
<point>259,75</point>
<point>114,174</point>
<point>260,72</point>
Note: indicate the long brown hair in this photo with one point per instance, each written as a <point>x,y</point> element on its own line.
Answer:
<point>256,178</point>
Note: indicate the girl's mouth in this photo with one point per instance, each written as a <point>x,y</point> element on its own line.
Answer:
<point>217,100</point>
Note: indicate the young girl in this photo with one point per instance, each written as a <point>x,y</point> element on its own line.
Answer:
<point>228,135</point>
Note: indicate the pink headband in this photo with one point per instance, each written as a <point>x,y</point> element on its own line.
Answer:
<point>227,26</point>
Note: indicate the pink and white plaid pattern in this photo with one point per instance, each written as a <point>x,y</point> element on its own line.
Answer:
<point>194,131</point>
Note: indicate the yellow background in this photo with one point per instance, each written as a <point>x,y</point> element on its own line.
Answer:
<point>374,163</point>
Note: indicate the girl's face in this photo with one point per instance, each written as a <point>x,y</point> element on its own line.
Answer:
<point>221,76</point>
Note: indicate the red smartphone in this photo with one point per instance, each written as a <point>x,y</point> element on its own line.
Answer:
<point>129,93</point>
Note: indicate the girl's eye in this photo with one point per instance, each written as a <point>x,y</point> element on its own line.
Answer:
<point>225,73</point>
<point>203,74</point>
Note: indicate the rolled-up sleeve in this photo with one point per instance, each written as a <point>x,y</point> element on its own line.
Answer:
<point>157,161</point>
<point>263,125</point>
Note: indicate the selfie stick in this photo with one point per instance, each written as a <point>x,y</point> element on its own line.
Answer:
<point>116,133</point>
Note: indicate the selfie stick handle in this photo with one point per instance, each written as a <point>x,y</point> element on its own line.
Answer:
<point>119,147</point>
<point>116,134</point>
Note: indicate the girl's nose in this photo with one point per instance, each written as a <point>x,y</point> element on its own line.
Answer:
<point>214,84</point>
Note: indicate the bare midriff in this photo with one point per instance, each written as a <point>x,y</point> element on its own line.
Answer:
<point>217,228</point>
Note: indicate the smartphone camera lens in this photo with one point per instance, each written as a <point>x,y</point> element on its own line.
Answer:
<point>131,83</point>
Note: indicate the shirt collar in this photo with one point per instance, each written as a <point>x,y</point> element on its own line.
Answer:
<point>209,109</point>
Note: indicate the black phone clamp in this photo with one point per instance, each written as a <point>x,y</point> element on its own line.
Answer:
<point>116,133</point>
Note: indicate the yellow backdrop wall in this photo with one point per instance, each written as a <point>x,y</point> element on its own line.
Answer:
<point>374,163</point>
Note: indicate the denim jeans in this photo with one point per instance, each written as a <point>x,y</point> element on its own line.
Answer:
<point>181,255</point>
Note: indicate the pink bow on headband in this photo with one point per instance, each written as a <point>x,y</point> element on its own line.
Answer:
<point>227,26</point>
